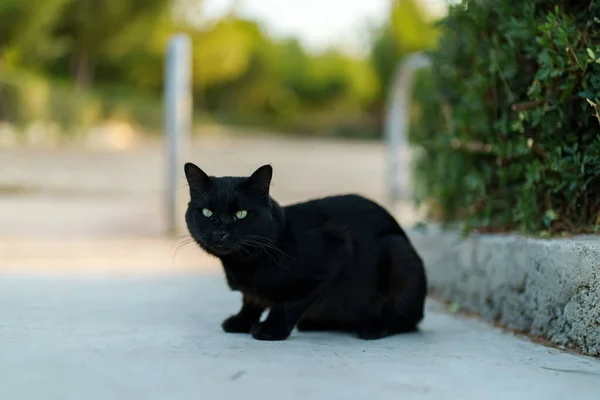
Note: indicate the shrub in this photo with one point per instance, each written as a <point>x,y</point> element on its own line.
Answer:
<point>509,133</point>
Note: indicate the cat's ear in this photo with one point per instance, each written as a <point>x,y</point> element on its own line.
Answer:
<point>260,180</point>
<point>197,179</point>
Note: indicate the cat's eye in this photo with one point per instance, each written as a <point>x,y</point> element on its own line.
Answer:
<point>207,213</point>
<point>241,214</point>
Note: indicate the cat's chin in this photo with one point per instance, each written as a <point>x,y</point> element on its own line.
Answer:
<point>219,251</point>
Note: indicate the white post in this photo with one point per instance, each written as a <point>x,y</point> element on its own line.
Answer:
<point>178,113</point>
<point>397,125</point>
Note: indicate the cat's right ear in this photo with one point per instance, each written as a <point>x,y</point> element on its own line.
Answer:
<point>197,179</point>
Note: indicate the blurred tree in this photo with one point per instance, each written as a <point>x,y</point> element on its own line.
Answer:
<point>91,27</point>
<point>412,27</point>
<point>385,54</point>
<point>137,56</point>
<point>222,52</point>
<point>256,81</point>
<point>408,29</point>
<point>25,31</point>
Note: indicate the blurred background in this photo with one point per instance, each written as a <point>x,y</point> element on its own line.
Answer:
<point>504,124</point>
<point>299,84</point>
<point>299,67</point>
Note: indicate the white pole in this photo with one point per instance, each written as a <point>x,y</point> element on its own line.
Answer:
<point>397,125</point>
<point>178,113</point>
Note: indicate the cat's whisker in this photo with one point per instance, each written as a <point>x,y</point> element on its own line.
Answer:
<point>178,247</point>
<point>270,243</point>
<point>183,239</point>
<point>268,249</point>
<point>241,248</point>
<point>179,242</point>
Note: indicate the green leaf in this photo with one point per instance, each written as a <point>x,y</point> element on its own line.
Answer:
<point>454,308</point>
<point>549,217</point>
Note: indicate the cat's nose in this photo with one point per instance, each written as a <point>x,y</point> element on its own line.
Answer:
<point>220,236</point>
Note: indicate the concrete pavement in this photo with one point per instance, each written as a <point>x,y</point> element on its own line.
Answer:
<point>96,304</point>
<point>158,337</point>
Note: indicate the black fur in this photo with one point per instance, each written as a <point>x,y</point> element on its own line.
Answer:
<point>337,263</point>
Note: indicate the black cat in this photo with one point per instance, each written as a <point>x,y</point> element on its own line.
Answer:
<point>337,263</point>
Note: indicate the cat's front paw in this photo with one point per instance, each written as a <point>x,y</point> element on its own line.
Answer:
<point>237,324</point>
<point>262,331</point>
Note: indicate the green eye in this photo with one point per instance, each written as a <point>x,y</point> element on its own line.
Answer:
<point>207,213</point>
<point>241,214</point>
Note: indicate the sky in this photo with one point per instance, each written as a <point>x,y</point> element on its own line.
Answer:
<point>318,24</point>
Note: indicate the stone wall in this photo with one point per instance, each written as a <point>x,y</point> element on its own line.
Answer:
<point>548,288</point>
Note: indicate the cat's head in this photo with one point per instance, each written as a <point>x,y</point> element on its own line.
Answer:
<point>228,215</point>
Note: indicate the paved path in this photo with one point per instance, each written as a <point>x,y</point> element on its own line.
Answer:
<point>159,338</point>
<point>96,304</point>
<point>73,193</point>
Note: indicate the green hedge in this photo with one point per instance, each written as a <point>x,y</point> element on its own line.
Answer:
<point>508,126</point>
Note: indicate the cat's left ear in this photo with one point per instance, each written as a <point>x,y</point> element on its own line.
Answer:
<point>260,180</point>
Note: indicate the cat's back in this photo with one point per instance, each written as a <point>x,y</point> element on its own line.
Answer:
<point>350,211</point>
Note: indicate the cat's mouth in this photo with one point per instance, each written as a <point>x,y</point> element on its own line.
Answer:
<point>217,248</point>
